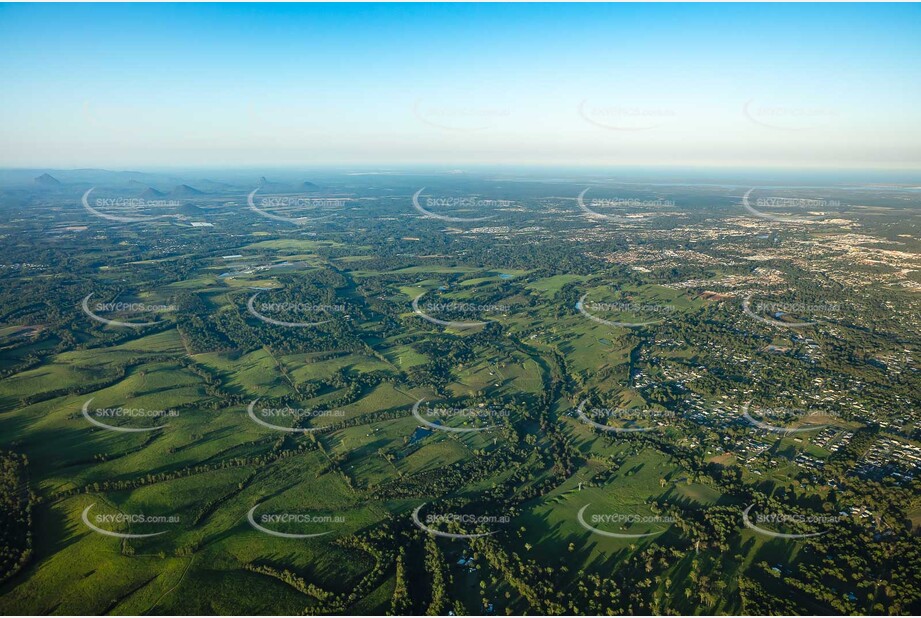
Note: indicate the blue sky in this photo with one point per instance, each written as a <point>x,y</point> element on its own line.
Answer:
<point>803,85</point>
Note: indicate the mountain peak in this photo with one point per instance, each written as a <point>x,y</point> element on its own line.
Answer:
<point>47,180</point>
<point>150,193</point>
<point>185,191</point>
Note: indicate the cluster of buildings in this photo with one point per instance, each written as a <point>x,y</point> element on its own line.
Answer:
<point>890,457</point>
<point>832,439</point>
<point>809,462</point>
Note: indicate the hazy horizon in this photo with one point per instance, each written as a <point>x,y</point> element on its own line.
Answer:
<point>741,86</point>
<point>684,175</point>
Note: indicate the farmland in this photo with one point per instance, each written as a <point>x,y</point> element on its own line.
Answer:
<point>278,418</point>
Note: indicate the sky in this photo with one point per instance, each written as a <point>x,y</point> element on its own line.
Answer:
<point>703,85</point>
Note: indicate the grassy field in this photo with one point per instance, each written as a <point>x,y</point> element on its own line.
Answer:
<point>367,466</point>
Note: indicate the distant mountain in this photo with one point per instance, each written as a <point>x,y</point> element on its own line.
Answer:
<point>281,187</point>
<point>270,186</point>
<point>152,194</point>
<point>191,210</point>
<point>47,180</point>
<point>185,191</point>
<point>131,179</point>
<point>214,186</point>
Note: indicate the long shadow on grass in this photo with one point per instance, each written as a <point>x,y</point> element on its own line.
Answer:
<point>52,532</point>
<point>585,546</point>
